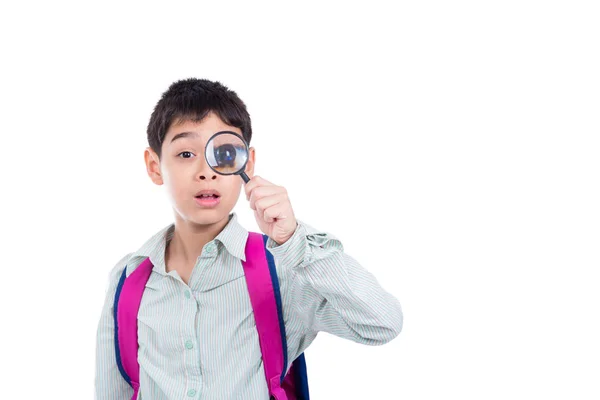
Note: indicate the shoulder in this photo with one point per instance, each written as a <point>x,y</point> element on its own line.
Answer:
<point>117,269</point>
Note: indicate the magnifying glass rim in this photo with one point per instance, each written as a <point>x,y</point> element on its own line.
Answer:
<point>243,167</point>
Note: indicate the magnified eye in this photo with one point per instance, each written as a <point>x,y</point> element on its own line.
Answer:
<point>225,155</point>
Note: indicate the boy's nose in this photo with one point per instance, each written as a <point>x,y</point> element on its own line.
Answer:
<point>205,171</point>
<point>212,176</point>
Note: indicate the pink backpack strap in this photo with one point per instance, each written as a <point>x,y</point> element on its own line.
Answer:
<point>127,304</point>
<point>263,299</point>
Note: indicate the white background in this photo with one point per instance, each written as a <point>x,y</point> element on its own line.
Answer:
<point>451,146</point>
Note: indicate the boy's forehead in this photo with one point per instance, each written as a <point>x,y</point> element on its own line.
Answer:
<point>188,129</point>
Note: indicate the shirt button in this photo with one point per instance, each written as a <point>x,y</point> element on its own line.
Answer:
<point>191,393</point>
<point>210,247</point>
<point>189,344</point>
<point>187,294</point>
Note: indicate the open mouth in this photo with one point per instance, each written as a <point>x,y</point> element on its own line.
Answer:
<point>208,198</point>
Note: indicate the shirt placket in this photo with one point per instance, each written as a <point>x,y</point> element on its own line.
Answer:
<point>191,345</point>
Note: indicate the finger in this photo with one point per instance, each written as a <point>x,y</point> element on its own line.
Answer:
<point>264,191</point>
<point>254,182</point>
<point>275,212</point>
<point>262,204</point>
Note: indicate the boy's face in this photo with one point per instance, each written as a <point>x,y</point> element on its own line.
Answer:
<point>184,171</point>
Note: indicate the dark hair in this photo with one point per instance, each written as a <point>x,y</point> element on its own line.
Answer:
<point>191,100</point>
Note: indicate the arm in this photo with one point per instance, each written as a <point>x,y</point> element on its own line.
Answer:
<point>109,384</point>
<point>331,292</point>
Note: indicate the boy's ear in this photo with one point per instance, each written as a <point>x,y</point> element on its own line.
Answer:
<point>153,166</point>
<point>249,170</point>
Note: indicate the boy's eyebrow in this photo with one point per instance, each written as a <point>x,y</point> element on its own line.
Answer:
<point>184,135</point>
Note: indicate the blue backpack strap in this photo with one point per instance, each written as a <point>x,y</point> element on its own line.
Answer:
<point>116,324</point>
<point>297,378</point>
<point>300,377</point>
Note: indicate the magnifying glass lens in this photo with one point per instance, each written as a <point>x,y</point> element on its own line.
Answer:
<point>226,153</point>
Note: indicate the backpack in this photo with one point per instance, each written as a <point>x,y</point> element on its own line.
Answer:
<point>263,288</point>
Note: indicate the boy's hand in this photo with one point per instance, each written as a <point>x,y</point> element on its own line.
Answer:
<point>272,209</point>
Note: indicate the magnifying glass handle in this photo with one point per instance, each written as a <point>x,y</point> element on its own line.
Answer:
<point>245,177</point>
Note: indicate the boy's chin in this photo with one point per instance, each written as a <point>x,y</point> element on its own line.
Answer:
<point>207,216</point>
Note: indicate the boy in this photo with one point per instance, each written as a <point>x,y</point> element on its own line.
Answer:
<point>196,330</point>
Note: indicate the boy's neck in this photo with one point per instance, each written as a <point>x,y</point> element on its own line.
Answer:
<point>189,239</point>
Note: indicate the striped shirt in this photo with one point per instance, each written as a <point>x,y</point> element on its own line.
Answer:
<point>199,340</point>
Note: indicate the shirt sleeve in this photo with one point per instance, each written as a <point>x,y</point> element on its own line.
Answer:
<point>109,383</point>
<point>330,291</point>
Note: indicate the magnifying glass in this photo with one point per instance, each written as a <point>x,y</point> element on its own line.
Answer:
<point>227,154</point>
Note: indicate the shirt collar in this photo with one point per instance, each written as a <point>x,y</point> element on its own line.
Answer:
<point>232,237</point>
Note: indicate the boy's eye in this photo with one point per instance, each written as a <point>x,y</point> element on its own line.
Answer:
<point>184,152</point>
